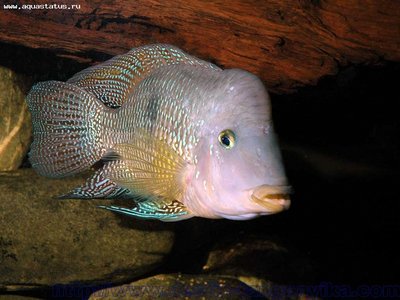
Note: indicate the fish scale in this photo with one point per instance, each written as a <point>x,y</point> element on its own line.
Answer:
<point>172,122</point>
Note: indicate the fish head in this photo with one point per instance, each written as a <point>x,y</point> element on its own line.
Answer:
<point>238,171</point>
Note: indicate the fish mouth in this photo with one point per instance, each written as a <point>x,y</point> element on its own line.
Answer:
<point>273,198</point>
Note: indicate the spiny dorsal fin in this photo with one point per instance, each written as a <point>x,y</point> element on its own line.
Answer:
<point>148,167</point>
<point>112,81</point>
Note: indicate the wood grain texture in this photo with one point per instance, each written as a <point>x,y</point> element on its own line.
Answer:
<point>287,43</point>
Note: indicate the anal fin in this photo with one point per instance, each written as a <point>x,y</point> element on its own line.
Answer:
<point>98,186</point>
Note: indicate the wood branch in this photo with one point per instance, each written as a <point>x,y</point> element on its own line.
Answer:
<point>287,43</point>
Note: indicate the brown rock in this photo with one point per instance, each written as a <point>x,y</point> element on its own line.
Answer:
<point>15,120</point>
<point>45,241</point>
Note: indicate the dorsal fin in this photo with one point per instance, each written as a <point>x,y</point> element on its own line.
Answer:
<point>112,81</point>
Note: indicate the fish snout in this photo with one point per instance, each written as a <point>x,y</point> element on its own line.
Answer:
<point>273,198</point>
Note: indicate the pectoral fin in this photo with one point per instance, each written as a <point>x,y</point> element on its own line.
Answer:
<point>153,171</point>
<point>148,167</point>
<point>155,209</point>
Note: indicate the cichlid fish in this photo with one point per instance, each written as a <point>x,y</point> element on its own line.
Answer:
<point>177,136</point>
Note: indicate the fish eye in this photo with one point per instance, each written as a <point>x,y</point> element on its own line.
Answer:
<point>227,139</point>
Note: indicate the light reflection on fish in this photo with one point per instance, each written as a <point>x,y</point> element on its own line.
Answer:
<point>179,136</point>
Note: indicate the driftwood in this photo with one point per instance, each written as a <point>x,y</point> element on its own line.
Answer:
<point>287,43</point>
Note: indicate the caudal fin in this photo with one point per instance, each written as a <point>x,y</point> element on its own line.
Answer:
<point>67,128</point>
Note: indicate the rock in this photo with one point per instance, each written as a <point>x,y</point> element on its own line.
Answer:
<point>276,291</point>
<point>180,286</point>
<point>15,120</point>
<point>45,241</point>
<point>259,261</point>
<point>17,297</point>
<point>263,286</point>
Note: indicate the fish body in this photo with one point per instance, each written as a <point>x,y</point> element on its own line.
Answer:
<point>178,136</point>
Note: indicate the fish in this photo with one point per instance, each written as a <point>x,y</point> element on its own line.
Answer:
<point>175,136</point>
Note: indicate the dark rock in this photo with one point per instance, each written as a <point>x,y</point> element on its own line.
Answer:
<point>258,256</point>
<point>180,286</point>
<point>261,262</point>
<point>15,120</point>
<point>45,241</point>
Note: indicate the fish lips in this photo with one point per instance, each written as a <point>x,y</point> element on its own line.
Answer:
<point>272,198</point>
